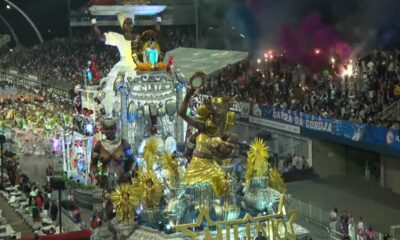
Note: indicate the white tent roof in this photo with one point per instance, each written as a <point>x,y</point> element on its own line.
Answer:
<point>191,60</point>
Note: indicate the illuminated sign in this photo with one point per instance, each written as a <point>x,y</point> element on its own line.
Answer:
<point>152,87</point>
<point>274,226</point>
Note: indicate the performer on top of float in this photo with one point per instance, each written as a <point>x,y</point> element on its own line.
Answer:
<point>213,142</point>
<point>129,44</point>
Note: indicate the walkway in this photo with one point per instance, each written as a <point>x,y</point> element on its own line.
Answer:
<point>35,168</point>
<point>16,222</point>
<point>379,208</point>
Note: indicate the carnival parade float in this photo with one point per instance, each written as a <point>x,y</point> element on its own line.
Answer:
<point>149,191</point>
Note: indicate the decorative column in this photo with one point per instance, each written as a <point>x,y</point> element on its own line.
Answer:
<point>68,137</point>
<point>124,116</point>
<point>180,129</point>
<point>64,151</point>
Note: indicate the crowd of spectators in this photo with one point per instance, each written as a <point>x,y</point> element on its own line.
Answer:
<point>66,59</point>
<point>35,116</point>
<point>61,59</point>
<point>357,92</point>
<point>356,95</point>
<point>347,228</point>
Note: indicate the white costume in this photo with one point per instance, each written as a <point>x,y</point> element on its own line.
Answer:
<point>352,231</point>
<point>125,65</point>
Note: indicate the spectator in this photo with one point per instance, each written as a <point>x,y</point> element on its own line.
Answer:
<point>351,227</point>
<point>39,201</point>
<point>53,211</point>
<point>48,190</point>
<point>49,172</point>
<point>333,219</point>
<point>344,224</point>
<point>370,234</point>
<point>46,204</point>
<point>95,224</point>
<point>77,215</point>
<point>305,165</point>
<point>360,229</point>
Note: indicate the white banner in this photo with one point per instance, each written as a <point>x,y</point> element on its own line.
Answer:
<point>242,109</point>
<point>275,125</point>
<point>13,72</point>
<point>32,77</point>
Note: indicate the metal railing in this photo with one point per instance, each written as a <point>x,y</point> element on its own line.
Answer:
<point>389,111</point>
<point>58,87</point>
<point>395,232</point>
<point>321,218</point>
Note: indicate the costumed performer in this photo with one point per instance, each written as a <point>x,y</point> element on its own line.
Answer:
<point>129,46</point>
<point>114,155</point>
<point>213,143</point>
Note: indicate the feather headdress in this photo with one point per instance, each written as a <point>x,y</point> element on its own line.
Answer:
<point>257,159</point>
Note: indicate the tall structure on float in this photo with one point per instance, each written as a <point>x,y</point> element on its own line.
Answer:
<point>141,93</point>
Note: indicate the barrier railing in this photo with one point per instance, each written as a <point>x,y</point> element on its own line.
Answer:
<point>321,218</point>
<point>61,88</point>
<point>395,232</point>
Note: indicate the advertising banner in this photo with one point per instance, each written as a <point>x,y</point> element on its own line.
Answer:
<point>357,132</point>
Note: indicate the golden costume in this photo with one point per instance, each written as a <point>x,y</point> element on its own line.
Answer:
<point>203,170</point>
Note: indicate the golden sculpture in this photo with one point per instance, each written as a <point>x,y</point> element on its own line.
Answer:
<point>150,153</point>
<point>257,160</point>
<point>150,189</point>
<point>170,164</point>
<point>276,181</point>
<point>213,143</point>
<point>124,200</point>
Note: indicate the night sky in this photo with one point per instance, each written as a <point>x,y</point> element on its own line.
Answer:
<point>356,21</point>
<point>46,14</point>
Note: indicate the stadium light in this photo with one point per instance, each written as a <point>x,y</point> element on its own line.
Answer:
<point>27,18</point>
<point>8,6</point>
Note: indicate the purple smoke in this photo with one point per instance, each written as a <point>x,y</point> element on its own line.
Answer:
<point>311,34</point>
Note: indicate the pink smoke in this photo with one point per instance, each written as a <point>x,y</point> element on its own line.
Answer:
<point>311,34</point>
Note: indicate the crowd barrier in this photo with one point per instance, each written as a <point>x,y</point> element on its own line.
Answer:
<point>60,88</point>
<point>395,232</point>
<point>88,199</point>
<point>320,217</point>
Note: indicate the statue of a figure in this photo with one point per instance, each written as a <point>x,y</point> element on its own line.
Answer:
<point>129,45</point>
<point>114,155</point>
<point>131,49</point>
<point>213,143</point>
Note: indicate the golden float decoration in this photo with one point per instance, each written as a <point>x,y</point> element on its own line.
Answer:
<point>257,160</point>
<point>124,199</point>
<point>150,189</point>
<point>276,180</point>
<point>150,153</point>
<point>170,164</point>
